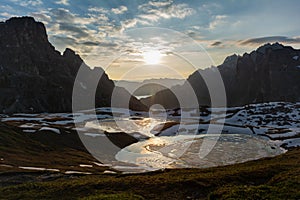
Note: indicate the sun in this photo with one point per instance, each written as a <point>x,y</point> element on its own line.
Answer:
<point>152,57</point>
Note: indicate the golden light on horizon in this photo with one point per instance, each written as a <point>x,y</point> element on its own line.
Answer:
<point>152,57</point>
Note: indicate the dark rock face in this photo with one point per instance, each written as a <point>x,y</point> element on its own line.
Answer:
<point>271,73</point>
<point>34,77</point>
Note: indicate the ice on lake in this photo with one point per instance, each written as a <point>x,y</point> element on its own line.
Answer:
<point>183,151</point>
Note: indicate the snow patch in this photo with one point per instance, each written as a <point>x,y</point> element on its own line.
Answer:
<point>39,169</point>
<point>55,130</point>
<point>77,172</point>
<point>109,172</point>
<point>27,126</point>
<point>85,165</point>
<point>102,165</point>
<point>295,142</point>
<point>3,165</point>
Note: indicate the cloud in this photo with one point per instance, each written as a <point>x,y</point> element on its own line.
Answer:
<point>153,10</point>
<point>217,43</point>
<point>217,21</point>
<point>28,3</point>
<point>42,16</point>
<point>90,43</point>
<point>270,39</point>
<point>196,27</point>
<point>160,3</point>
<point>63,40</point>
<point>7,15</point>
<point>32,3</point>
<point>129,23</point>
<point>63,2</point>
<point>119,10</point>
<point>93,32</point>
<point>210,8</point>
<point>97,27</point>
<point>78,32</point>
<point>98,10</point>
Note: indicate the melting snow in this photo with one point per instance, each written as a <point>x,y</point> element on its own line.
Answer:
<point>39,169</point>
<point>55,130</point>
<point>102,165</point>
<point>85,165</point>
<point>27,126</point>
<point>22,119</point>
<point>77,172</point>
<point>295,142</point>
<point>109,172</point>
<point>4,165</point>
<point>283,135</point>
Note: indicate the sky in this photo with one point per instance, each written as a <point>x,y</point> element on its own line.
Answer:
<point>139,39</point>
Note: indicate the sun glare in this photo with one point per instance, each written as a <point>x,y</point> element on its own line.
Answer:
<point>152,57</point>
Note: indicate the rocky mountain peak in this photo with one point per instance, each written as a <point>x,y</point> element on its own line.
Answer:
<point>231,61</point>
<point>69,53</point>
<point>24,29</point>
<point>24,43</point>
<point>263,49</point>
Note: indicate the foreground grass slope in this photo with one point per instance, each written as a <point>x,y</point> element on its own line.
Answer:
<point>271,178</point>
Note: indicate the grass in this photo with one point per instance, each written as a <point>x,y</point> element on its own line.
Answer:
<point>47,149</point>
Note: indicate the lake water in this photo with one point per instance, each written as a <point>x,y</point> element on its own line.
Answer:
<point>182,148</point>
<point>185,151</point>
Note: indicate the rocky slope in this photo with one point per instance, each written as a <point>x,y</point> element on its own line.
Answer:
<point>270,73</point>
<point>37,78</point>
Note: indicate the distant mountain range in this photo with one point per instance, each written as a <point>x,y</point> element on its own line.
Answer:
<point>148,86</point>
<point>270,73</point>
<point>37,78</point>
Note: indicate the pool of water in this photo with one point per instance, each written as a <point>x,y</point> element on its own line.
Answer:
<point>189,151</point>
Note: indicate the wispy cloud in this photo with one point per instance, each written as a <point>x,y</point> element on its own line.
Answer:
<point>7,15</point>
<point>119,10</point>
<point>217,43</point>
<point>153,11</point>
<point>98,10</point>
<point>42,16</point>
<point>63,2</point>
<point>270,39</point>
<point>28,3</point>
<point>218,20</point>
